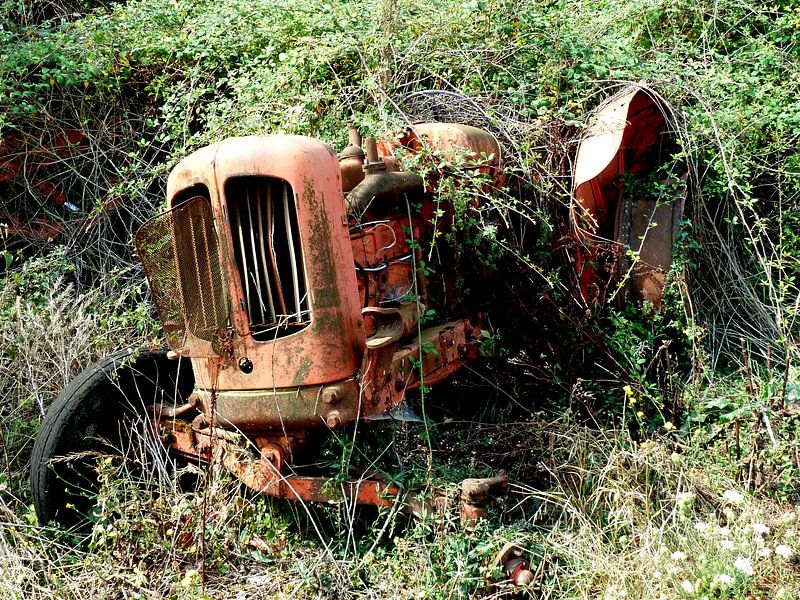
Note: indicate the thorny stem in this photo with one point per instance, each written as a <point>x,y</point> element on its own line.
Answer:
<point>419,339</point>
<point>737,428</point>
<point>214,386</point>
<point>785,378</point>
<point>746,360</point>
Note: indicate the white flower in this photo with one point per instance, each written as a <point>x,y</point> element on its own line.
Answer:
<point>760,529</point>
<point>764,552</point>
<point>678,556</point>
<point>744,565</point>
<point>789,534</point>
<point>726,545</point>
<point>613,593</point>
<point>783,551</point>
<point>723,581</point>
<point>701,526</point>
<point>724,531</point>
<point>684,499</point>
<point>733,497</point>
<point>687,586</point>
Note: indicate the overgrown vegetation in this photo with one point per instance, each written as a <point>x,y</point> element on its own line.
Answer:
<point>654,455</point>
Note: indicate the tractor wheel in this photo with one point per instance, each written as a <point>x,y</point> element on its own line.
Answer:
<point>100,413</point>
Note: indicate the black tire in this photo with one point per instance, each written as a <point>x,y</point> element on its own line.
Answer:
<point>94,415</point>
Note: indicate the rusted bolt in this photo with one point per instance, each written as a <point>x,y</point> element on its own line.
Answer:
<point>272,453</point>
<point>330,396</point>
<point>334,419</point>
<point>462,348</point>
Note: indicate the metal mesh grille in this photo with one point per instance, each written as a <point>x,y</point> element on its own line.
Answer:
<point>180,253</point>
<point>269,259</point>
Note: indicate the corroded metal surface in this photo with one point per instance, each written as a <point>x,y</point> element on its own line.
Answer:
<point>482,150</point>
<point>292,408</point>
<point>647,228</point>
<point>630,237</point>
<point>322,298</point>
<point>263,474</point>
<point>330,348</point>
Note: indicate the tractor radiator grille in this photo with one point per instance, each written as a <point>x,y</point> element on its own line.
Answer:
<point>269,259</point>
<point>181,258</point>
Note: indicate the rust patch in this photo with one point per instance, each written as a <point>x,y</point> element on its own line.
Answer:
<point>302,372</point>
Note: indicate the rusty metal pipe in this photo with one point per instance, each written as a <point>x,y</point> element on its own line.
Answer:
<point>372,152</point>
<point>353,135</point>
<point>351,160</point>
<point>383,185</point>
<point>166,412</point>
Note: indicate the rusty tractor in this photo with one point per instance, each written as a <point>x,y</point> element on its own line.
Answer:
<point>289,286</point>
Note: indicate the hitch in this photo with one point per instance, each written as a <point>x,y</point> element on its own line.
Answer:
<point>475,494</point>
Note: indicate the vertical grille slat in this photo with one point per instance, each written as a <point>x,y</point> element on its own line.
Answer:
<point>242,260</point>
<point>264,261</point>
<point>258,306</point>
<point>268,255</point>
<point>270,232</point>
<point>295,283</point>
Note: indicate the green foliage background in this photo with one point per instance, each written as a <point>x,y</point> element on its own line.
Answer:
<point>164,77</point>
<point>148,81</point>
